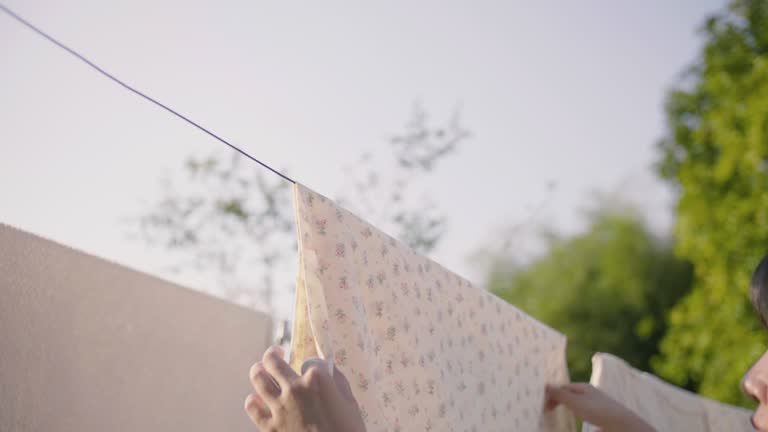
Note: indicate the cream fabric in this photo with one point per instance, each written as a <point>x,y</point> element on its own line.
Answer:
<point>423,349</point>
<point>664,406</point>
<point>87,345</point>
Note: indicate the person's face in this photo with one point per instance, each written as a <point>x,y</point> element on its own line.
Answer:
<point>755,385</point>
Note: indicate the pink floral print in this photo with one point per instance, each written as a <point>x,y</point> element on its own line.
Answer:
<point>424,349</point>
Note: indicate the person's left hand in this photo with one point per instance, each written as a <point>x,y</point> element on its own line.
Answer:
<point>596,407</point>
<point>313,402</point>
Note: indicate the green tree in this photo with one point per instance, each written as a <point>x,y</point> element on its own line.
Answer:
<point>715,156</point>
<point>608,289</point>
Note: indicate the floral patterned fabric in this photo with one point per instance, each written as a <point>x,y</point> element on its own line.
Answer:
<point>664,406</point>
<point>422,348</point>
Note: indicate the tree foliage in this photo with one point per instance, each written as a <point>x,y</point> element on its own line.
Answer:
<point>608,289</point>
<point>716,156</point>
<point>225,215</point>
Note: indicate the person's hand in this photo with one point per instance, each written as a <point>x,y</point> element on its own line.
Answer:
<point>595,407</point>
<point>313,402</point>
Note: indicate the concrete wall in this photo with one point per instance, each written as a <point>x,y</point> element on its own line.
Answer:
<point>87,345</point>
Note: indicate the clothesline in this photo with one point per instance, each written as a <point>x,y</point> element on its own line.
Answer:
<point>82,58</point>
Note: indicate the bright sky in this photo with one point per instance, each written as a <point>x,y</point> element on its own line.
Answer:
<point>563,92</point>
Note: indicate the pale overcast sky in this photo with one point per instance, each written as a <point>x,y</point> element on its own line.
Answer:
<point>553,91</point>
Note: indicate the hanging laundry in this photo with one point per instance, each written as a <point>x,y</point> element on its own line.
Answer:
<point>423,349</point>
<point>662,405</point>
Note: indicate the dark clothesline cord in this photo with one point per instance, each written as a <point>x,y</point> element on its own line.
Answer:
<point>15,16</point>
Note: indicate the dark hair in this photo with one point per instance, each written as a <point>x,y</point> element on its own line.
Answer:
<point>758,290</point>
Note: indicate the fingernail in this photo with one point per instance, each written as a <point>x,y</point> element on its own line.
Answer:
<point>277,350</point>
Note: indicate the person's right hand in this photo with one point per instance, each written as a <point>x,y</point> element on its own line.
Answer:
<point>595,407</point>
<point>314,401</point>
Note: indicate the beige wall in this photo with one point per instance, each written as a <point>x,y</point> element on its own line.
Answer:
<point>87,345</point>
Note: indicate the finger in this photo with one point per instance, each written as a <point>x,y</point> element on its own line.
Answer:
<point>278,349</point>
<point>278,368</point>
<point>257,410</point>
<point>264,384</point>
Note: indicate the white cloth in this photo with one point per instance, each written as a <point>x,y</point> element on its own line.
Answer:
<point>423,349</point>
<point>665,407</point>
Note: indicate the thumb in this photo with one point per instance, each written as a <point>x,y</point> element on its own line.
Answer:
<point>343,385</point>
<point>314,363</point>
<point>557,395</point>
<point>317,373</point>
